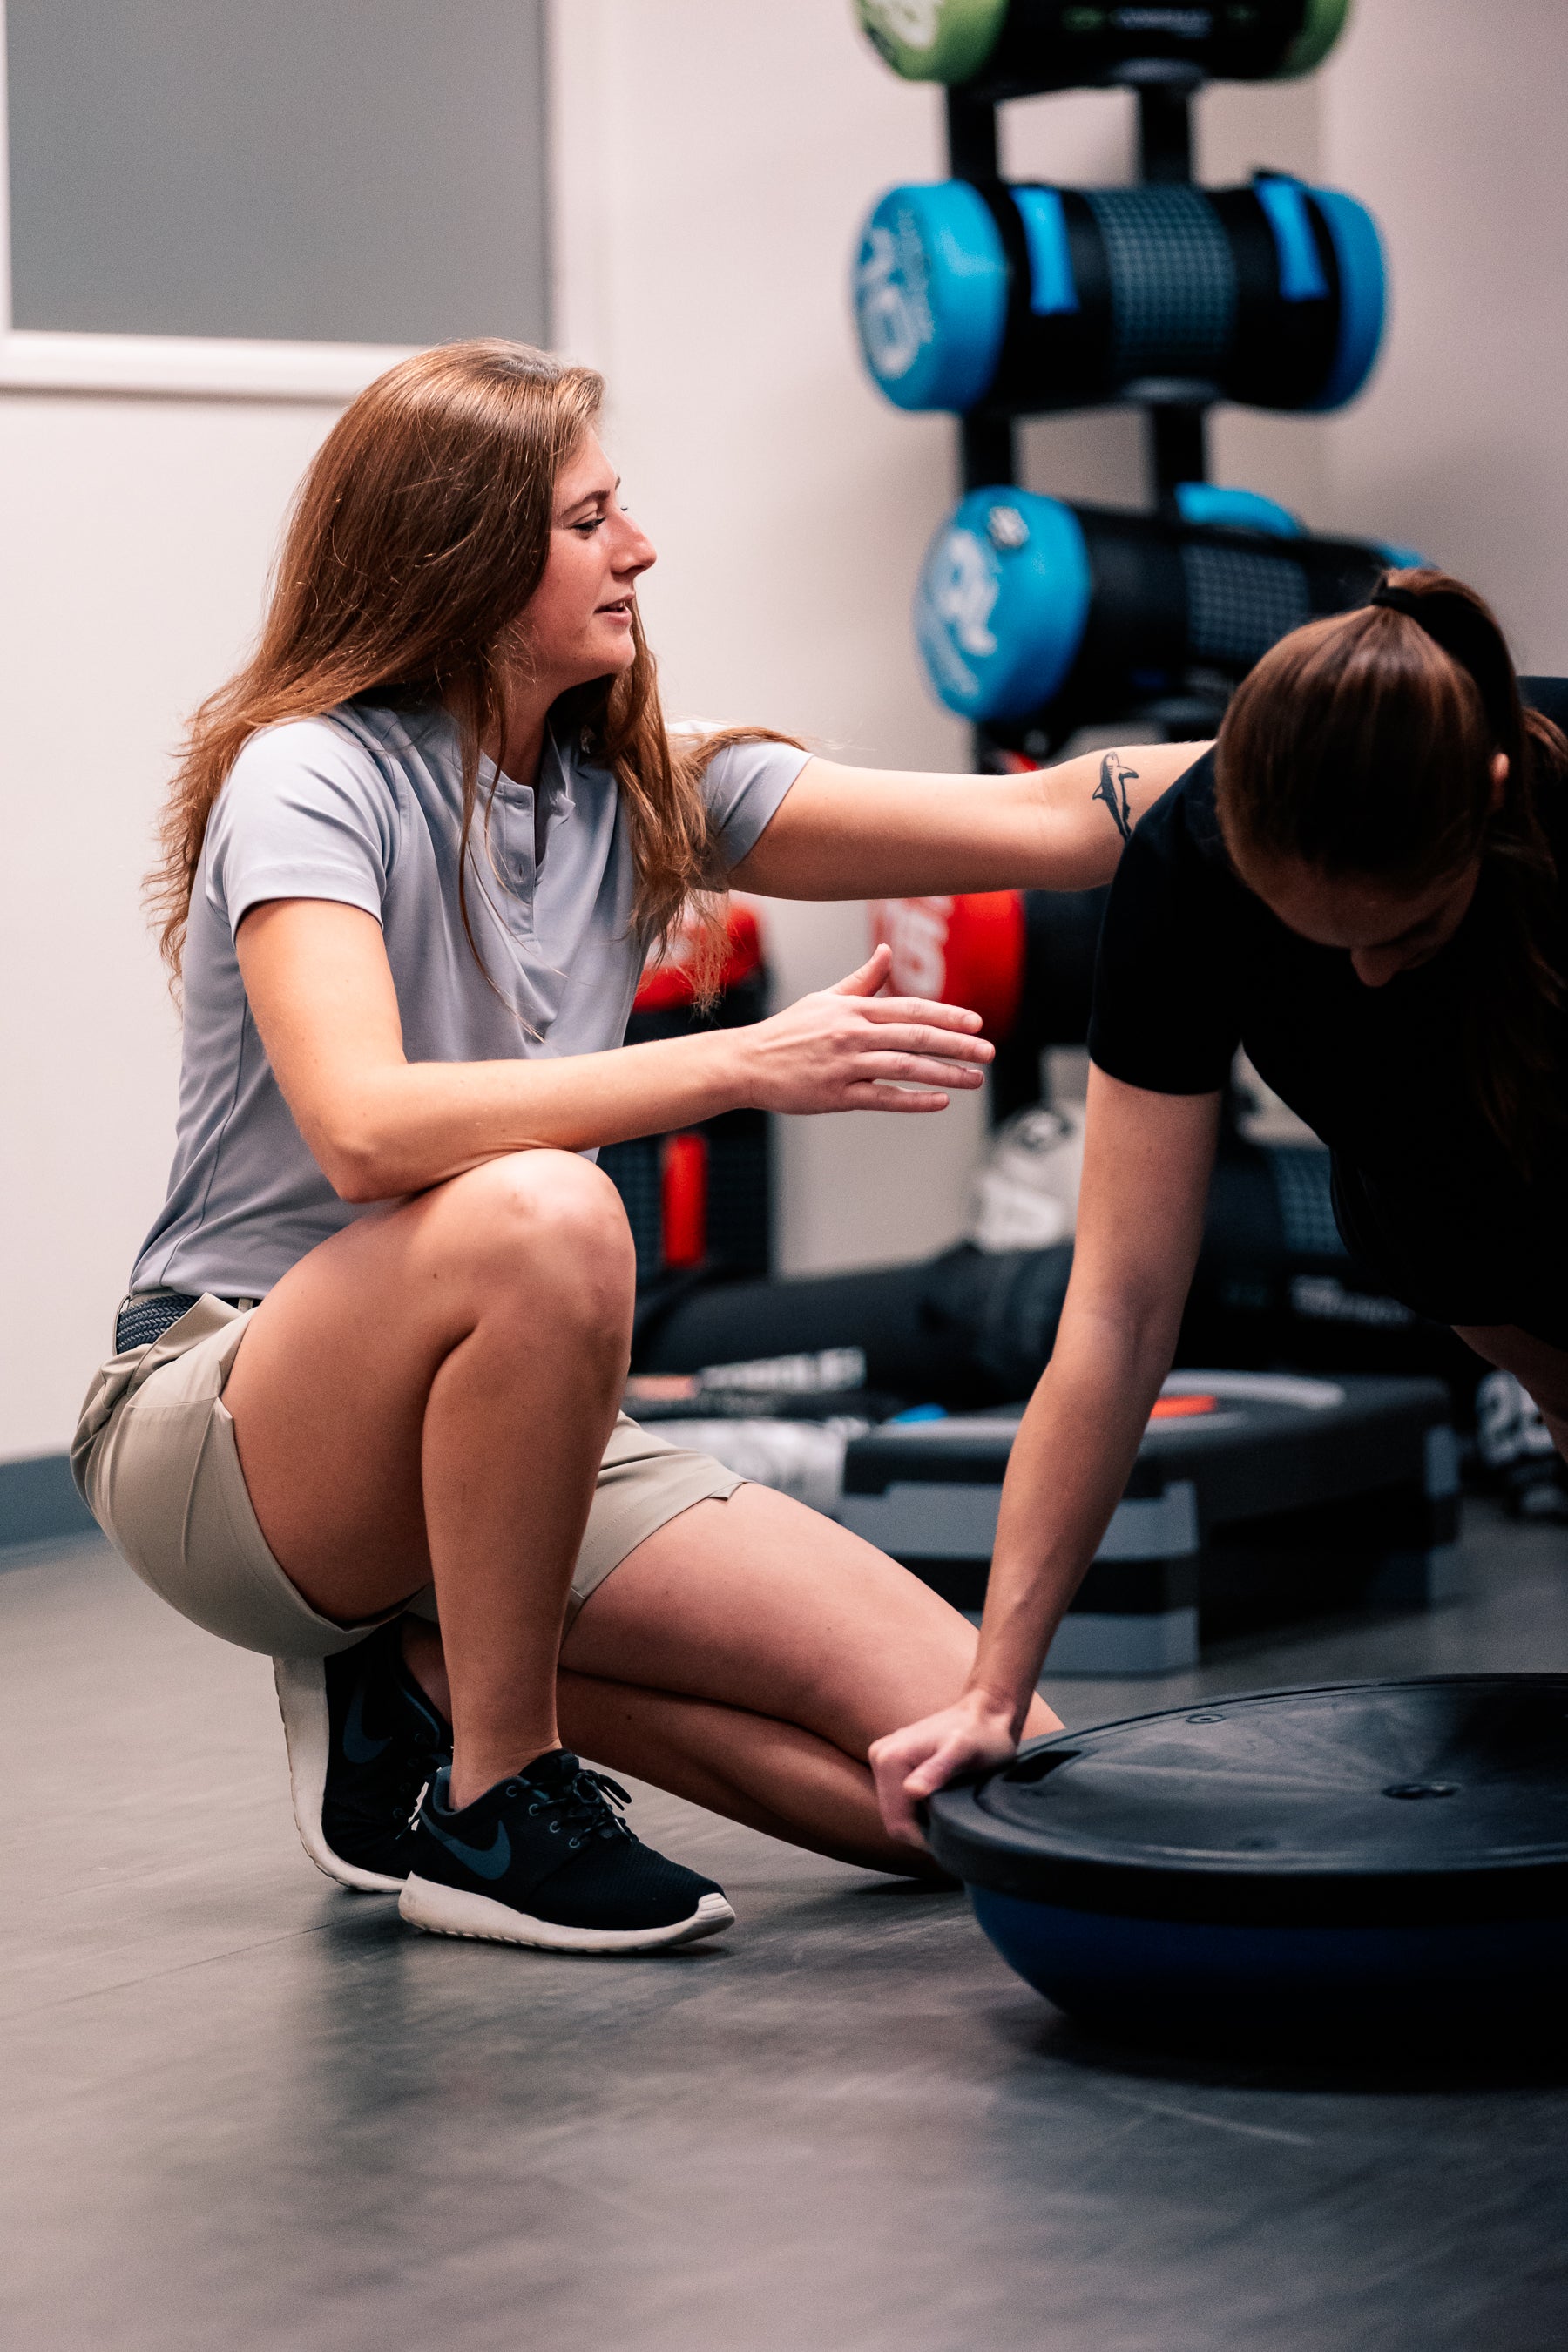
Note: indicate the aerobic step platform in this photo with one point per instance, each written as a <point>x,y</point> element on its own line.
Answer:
<point>1256,1498</point>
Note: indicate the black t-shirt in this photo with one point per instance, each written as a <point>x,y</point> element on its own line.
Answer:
<point>1193,964</point>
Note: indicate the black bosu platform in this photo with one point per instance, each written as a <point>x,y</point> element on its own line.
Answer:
<point>1381,1858</point>
<point>1256,1499</point>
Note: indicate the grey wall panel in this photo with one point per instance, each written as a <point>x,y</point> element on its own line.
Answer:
<point>334,169</point>
<point>38,1503</point>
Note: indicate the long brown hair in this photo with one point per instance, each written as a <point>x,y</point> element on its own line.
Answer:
<point>1362,745</point>
<point>417,536</point>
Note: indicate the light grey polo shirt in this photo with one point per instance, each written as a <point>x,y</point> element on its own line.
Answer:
<point>364,807</point>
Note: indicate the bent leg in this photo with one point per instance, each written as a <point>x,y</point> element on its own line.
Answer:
<point>1539,1368</point>
<point>800,1643</point>
<point>427,1396</point>
<point>771,1776</point>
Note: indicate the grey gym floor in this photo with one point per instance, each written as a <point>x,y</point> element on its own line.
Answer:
<point>242,2109</point>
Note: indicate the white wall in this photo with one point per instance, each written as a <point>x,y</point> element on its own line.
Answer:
<point>714,163</point>
<point>1445,118</point>
<point>137,535</point>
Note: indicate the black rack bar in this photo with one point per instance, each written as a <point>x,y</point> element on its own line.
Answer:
<point>988,450</point>
<point>1165,130</point>
<point>971,152</point>
<point>1178,448</point>
<point>1177,437</point>
<point>988,443</point>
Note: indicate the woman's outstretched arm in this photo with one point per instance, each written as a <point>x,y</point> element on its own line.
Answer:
<point>869,833</point>
<point>1147,1159</point>
<point>380,1126</point>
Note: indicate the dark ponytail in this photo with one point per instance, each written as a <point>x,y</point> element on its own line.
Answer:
<point>1362,745</point>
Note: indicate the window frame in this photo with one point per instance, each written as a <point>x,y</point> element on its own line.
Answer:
<point>196,367</point>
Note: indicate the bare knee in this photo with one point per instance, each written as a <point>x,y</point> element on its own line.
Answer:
<point>545,1231</point>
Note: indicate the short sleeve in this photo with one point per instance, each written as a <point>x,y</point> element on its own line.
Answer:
<point>1163,1015</point>
<point>304,813</point>
<point>1549,696</point>
<point>743,785</point>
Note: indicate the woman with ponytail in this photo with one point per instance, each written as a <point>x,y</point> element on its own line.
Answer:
<point>1365,884</point>
<point>361,1408</point>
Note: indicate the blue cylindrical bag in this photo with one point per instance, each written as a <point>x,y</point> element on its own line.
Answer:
<point>1030,609</point>
<point>1024,300</point>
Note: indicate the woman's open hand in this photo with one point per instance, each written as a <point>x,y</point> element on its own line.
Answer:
<point>975,1734</point>
<point>847,1048</point>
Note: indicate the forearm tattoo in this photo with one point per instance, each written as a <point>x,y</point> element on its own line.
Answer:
<point>1115,775</point>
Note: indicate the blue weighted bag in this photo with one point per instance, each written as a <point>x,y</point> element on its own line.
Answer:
<point>1030,298</point>
<point>1029,608</point>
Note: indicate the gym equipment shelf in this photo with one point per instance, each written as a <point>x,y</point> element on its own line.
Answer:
<point>995,301</point>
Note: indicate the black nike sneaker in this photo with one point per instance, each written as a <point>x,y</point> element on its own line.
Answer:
<point>363,1741</point>
<point>544,1858</point>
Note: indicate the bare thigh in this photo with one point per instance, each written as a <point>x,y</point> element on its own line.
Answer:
<point>1539,1368</point>
<point>760,1604</point>
<point>332,1381</point>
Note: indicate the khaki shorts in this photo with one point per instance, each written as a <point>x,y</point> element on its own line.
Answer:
<point>154,1455</point>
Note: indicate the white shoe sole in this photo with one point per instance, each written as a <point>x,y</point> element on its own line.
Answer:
<point>450,1911</point>
<point>301,1685</point>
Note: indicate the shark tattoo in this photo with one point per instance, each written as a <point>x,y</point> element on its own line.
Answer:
<point>1115,775</point>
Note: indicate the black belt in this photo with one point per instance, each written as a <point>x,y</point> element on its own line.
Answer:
<point>146,1315</point>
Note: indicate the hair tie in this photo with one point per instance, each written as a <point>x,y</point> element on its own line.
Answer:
<point>1398,600</point>
<point>1468,637</point>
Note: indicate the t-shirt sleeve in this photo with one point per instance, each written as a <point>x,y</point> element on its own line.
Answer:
<point>1549,696</point>
<point>303,814</point>
<point>743,785</point>
<point>1163,1015</point>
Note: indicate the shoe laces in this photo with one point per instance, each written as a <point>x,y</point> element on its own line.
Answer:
<point>418,1768</point>
<point>408,1789</point>
<point>590,1805</point>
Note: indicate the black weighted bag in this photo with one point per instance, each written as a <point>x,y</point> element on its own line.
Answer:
<point>1009,48</point>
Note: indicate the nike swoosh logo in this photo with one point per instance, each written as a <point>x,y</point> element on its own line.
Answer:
<point>358,1745</point>
<point>495,1863</point>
